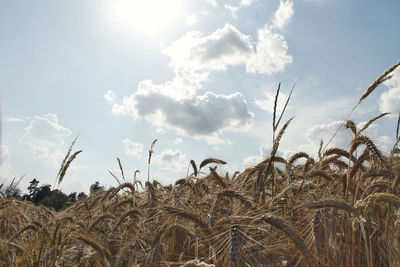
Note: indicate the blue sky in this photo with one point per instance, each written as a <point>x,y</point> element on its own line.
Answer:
<point>199,76</point>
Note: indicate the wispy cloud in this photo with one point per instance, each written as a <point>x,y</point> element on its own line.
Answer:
<point>233,9</point>
<point>267,103</point>
<point>7,172</point>
<point>247,2</point>
<point>133,149</point>
<point>283,15</point>
<point>390,99</point>
<point>109,96</point>
<point>171,161</point>
<point>212,2</point>
<point>178,141</point>
<point>45,136</point>
<point>13,120</point>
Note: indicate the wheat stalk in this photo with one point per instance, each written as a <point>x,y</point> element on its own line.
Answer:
<point>292,234</point>
<point>210,160</point>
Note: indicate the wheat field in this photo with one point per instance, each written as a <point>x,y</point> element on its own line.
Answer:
<point>338,209</point>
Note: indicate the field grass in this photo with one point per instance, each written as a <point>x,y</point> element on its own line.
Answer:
<point>339,209</point>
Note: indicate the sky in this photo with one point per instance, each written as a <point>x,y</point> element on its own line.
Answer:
<point>199,76</point>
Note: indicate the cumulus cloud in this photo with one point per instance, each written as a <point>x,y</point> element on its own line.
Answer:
<point>171,160</point>
<point>271,53</point>
<point>45,136</point>
<point>176,104</point>
<point>253,160</point>
<point>46,130</point>
<point>205,115</point>
<point>325,132</point>
<point>109,96</point>
<point>226,46</point>
<point>264,153</point>
<point>343,137</point>
<point>283,15</point>
<point>132,149</point>
<point>390,99</point>
<point>229,47</point>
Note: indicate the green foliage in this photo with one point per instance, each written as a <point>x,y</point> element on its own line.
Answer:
<point>55,199</point>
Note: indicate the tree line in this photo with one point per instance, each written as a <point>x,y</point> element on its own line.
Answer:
<point>43,195</point>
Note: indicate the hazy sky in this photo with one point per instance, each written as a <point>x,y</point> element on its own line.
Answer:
<point>199,76</point>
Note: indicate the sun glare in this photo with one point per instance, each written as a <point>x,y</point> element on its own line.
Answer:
<point>147,16</point>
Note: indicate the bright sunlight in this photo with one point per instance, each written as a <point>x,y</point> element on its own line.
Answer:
<point>147,16</point>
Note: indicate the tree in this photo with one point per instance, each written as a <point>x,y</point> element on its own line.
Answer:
<point>11,191</point>
<point>82,195</point>
<point>95,187</point>
<point>40,193</point>
<point>33,186</point>
<point>55,199</point>
<point>72,197</point>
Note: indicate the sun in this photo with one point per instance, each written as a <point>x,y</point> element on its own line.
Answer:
<point>147,16</point>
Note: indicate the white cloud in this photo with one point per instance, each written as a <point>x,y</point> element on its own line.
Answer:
<point>264,153</point>
<point>233,9</point>
<point>178,141</point>
<point>190,19</point>
<point>132,149</point>
<point>199,116</point>
<point>267,103</point>
<point>13,120</point>
<point>212,2</point>
<point>343,138</point>
<point>6,171</point>
<point>45,136</point>
<point>4,154</point>
<point>176,105</point>
<point>325,131</point>
<point>271,53</point>
<point>46,130</point>
<point>390,99</point>
<point>109,96</point>
<point>226,46</point>
<point>229,47</point>
<point>253,160</point>
<point>282,15</point>
<point>246,2</point>
<point>171,161</point>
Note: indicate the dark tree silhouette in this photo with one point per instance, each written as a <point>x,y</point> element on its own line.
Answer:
<point>72,197</point>
<point>95,187</point>
<point>82,195</point>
